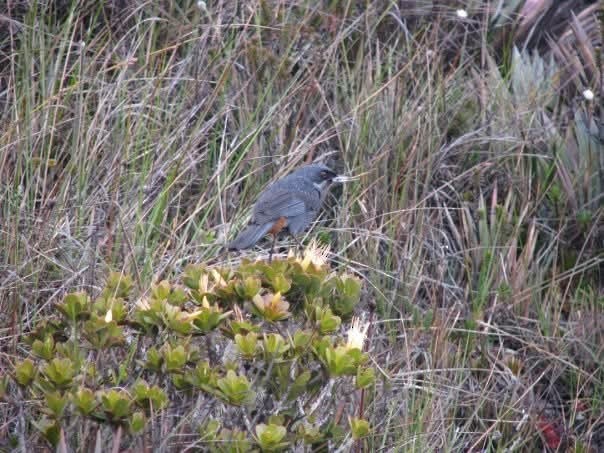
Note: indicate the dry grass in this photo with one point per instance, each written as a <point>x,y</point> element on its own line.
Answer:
<point>134,135</point>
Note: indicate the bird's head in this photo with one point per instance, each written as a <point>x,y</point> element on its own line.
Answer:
<point>320,175</point>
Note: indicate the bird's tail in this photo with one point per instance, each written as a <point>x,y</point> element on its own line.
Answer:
<point>249,236</point>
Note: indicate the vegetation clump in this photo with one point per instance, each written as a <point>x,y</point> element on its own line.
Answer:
<point>259,350</point>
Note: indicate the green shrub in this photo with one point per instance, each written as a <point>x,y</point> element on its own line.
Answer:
<point>259,345</point>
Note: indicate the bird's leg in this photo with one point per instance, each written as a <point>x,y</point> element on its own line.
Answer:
<point>270,254</point>
<point>299,246</point>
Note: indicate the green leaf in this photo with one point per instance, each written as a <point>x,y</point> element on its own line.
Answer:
<point>270,270</point>
<point>154,360</point>
<point>302,340</point>
<point>74,306</point>
<point>584,219</point>
<point>247,345</point>
<point>25,371</point>
<point>45,328</point>
<point>248,288</point>
<point>310,434</point>
<point>118,285</point>
<point>50,430</point>
<point>3,386</point>
<point>209,430</point>
<point>72,350</point>
<point>56,403</point>
<point>102,334</point>
<point>309,284</point>
<point>280,283</point>
<point>347,295</point>
<point>151,398</point>
<point>60,372</point>
<point>176,319</point>
<point>202,377</point>
<point>140,390</point>
<point>148,313</point>
<point>44,349</point>
<point>179,381</point>
<point>116,404</point>
<point>192,275</point>
<point>177,296</point>
<point>359,428</point>
<point>242,327</point>
<point>326,322</point>
<point>299,386</point>
<point>235,389</point>
<point>136,423</point>
<point>208,318</point>
<point>232,441</point>
<point>365,377</point>
<point>270,437</point>
<point>157,398</point>
<point>106,303</point>
<point>271,307</point>
<point>84,400</point>
<point>175,358</point>
<point>161,290</point>
<point>274,346</point>
<point>341,361</point>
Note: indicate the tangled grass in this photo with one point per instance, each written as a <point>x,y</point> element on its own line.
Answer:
<point>135,135</point>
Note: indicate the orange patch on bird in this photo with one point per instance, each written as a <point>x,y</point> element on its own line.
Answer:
<point>278,226</point>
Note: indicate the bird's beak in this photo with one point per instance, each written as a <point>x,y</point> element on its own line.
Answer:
<point>342,178</point>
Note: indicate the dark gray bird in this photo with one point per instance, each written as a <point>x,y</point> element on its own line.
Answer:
<point>291,203</point>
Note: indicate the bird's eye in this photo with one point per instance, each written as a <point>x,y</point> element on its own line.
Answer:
<point>324,174</point>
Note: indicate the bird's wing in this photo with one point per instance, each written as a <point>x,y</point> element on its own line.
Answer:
<point>277,203</point>
<point>297,225</point>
